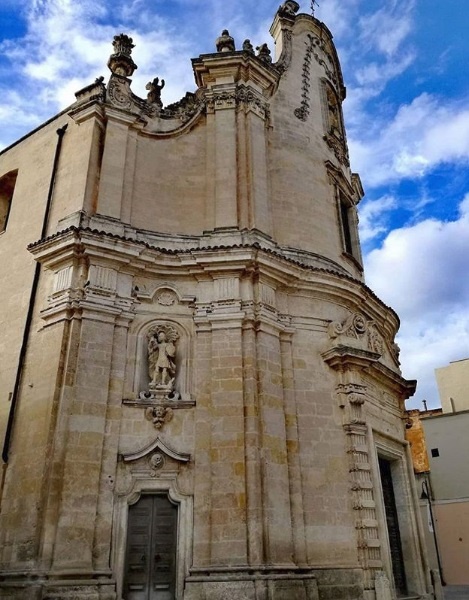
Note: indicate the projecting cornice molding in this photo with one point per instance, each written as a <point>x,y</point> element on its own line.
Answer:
<point>293,270</point>
<point>348,358</point>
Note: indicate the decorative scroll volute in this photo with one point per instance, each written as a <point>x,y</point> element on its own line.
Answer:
<point>357,332</point>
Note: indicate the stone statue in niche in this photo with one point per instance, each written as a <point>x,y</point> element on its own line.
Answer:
<point>334,114</point>
<point>154,91</point>
<point>162,357</point>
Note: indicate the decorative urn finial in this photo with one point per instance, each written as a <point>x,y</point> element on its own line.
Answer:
<point>225,43</point>
<point>121,62</point>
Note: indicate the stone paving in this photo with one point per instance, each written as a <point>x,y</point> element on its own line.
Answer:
<point>456,592</point>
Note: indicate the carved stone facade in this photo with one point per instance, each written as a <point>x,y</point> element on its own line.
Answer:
<point>199,395</point>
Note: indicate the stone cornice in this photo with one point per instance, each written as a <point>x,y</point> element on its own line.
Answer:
<point>343,358</point>
<point>239,67</point>
<point>134,256</point>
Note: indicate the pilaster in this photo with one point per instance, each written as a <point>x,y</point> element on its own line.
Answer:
<point>114,175</point>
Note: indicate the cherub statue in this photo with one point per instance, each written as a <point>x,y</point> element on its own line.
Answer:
<point>161,354</point>
<point>154,94</point>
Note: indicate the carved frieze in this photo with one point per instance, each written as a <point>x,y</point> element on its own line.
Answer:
<point>252,101</point>
<point>221,100</point>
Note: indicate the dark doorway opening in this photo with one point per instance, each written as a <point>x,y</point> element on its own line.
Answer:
<point>150,566</point>
<point>392,523</point>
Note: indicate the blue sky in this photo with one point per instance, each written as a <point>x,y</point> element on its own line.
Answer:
<point>406,112</point>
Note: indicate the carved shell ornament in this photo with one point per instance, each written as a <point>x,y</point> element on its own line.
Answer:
<point>166,298</point>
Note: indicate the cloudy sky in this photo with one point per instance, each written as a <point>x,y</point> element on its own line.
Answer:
<point>405,65</point>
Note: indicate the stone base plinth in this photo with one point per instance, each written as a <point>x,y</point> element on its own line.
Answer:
<point>328,584</point>
<point>57,590</point>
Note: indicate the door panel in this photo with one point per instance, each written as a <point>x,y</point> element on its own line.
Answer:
<point>392,522</point>
<point>151,550</point>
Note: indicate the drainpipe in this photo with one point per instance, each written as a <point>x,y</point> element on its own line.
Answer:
<point>426,495</point>
<point>32,301</point>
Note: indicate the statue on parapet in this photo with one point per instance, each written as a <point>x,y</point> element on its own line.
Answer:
<point>154,91</point>
<point>248,47</point>
<point>225,43</point>
<point>289,9</point>
<point>264,53</point>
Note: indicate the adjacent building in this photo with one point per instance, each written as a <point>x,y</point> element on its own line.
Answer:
<point>440,448</point>
<point>200,398</point>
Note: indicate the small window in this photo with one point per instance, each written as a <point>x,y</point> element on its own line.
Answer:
<point>7,186</point>
<point>435,452</point>
<point>346,230</point>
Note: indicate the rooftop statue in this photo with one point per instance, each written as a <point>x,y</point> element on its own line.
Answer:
<point>264,53</point>
<point>225,43</point>
<point>248,47</point>
<point>154,91</point>
<point>289,9</point>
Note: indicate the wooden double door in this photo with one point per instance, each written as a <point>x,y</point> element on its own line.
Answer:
<point>150,566</point>
<point>392,522</point>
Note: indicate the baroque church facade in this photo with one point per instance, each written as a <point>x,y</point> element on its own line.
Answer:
<point>200,398</point>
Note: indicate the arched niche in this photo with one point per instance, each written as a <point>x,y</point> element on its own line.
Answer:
<point>141,380</point>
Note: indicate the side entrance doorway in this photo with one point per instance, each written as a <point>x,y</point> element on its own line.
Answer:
<point>392,523</point>
<point>150,566</point>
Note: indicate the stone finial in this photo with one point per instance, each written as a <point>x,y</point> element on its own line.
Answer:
<point>154,91</point>
<point>264,54</point>
<point>121,62</point>
<point>248,47</point>
<point>289,9</point>
<point>225,43</point>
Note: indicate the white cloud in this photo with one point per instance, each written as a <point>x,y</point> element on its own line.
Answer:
<point>421,271</point>
<point>337,15</point>
<point>67,44</point>
<point>373,216</point>
<point>422,135</point>
<point>386,29</point>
